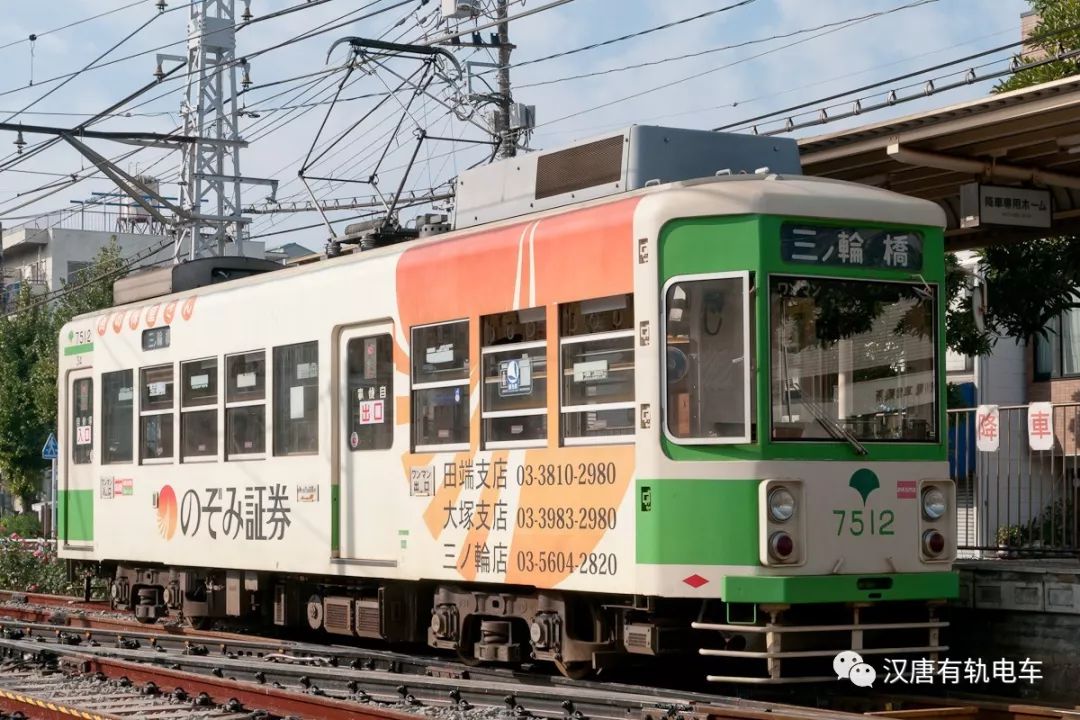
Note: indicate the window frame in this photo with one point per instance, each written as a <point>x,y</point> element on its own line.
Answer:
<point>523,347</point>
<point>389,400</point>
<point>415,387</point>
<point>272,373</point>
<point>939,375</point>
<point>171,412</point>
<point>197,408</point>
<point>227,405</point>
<point>105,424</point>
<point>563,341</point>
<point>75,416</point>
<point>1055,349</point>
<point>748,364</point>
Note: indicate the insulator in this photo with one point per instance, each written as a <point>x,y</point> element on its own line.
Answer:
<point>20,142</point>
<point>970,77</point>
<point>789,125</point>
<point>928,89</point>
<point>891,99</point>
<point>823,116</point>
<point>159,72</point>
<point>856,107</point>
<point>161,5</point>
<point>246,80</point>
<point>246,17</point>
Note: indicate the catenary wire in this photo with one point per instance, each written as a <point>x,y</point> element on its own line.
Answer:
<point>740,61</point>
<point>700,53</point>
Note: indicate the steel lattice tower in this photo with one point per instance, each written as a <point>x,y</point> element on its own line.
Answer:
<point>210,170</point>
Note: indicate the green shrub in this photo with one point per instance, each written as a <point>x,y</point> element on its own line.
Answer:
<point>25,525</point>
<point>32,566</point>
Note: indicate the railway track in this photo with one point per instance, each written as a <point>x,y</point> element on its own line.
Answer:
<point>234,675</point>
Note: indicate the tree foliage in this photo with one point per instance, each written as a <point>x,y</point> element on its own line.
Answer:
<point>28,367</point>
<point>1029,282</point>
<point>1058,30</point>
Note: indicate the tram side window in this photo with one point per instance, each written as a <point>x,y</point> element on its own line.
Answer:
<point>440,385</point>
<point>156,414</point>
<point>707,348</point>
<point>514,395</point>
<point>596,344</point>
<point>82,421</point>
<point>198,408</point>
<point>371,393</point>
<point>117,417</point>
<point>296,399</point>
<point>245,405</point>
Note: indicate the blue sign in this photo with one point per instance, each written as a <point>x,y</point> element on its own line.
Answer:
<point>50,451</point>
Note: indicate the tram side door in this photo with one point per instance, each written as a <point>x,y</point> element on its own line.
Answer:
<point>367,461</point>
<point>75,497</point>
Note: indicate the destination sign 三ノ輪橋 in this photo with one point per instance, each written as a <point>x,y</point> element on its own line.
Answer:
<point>851,246</point>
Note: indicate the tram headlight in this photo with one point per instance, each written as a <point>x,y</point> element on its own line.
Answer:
<point>781,504</point>
<point>933,502</point>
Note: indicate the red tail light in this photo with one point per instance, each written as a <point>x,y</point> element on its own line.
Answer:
<point>933,542</point>
<point>781,546</point>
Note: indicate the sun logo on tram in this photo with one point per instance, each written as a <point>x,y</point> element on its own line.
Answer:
<point>166,512</point>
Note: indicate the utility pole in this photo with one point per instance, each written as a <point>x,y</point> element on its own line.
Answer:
<point>210,169</point>
<point>508,148</point>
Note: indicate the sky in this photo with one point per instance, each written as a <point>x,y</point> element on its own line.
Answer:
<point>787,52</point>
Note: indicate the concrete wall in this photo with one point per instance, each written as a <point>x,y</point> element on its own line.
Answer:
<point>1016,610</point>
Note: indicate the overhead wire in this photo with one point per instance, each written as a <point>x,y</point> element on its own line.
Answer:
<point>700,53</point>
<point>672,83</point>
<point>622,38</point>
<point>319,29</point>
<point>44,33</point>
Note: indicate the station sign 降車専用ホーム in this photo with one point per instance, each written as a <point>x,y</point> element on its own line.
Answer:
<point>982,205</point>
<point>851,246</point>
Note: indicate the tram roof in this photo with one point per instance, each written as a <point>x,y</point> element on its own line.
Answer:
<point>1029,136</point>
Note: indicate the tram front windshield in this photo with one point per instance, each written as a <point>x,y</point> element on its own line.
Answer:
<point>852,359</point>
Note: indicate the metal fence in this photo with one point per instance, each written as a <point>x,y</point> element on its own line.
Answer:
<point>1016,501</point>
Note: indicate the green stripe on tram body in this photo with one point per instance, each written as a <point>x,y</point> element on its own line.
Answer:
<point>79,349</point>
<point>75,515</point>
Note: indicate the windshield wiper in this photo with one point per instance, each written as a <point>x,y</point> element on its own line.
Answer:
<point>835,429</point>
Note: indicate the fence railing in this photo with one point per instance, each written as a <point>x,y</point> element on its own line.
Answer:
<point>1016,501</point>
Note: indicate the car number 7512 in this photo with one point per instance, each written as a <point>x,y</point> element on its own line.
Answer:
<point>859,522</point>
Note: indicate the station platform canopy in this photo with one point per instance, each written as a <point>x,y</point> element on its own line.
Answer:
<point>1023,145</point>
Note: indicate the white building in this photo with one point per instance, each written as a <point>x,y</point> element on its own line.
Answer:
<point>48,252</point>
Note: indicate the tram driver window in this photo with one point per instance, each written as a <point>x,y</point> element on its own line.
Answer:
<point>156,414</point>
<point>245,405</point>
<point>296,399</point>
<point>440,383</point>
<point>82,421</point>
<point>706,350</point>
<point>371,393</point>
